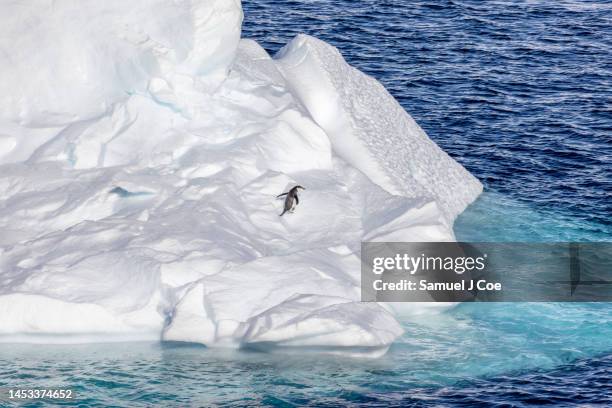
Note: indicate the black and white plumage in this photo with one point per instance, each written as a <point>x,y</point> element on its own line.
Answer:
<point>292,200</point>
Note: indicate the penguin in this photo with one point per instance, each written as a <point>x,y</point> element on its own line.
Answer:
<point>292,199</point>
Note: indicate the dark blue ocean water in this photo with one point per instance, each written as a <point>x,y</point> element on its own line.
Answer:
<point>520,93</point>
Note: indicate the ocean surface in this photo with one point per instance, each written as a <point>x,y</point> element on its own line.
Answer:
<point>520,93</point>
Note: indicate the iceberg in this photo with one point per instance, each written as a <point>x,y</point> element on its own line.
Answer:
<point>142,145</point>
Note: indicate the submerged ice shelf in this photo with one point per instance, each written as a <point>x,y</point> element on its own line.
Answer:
<point>137,186</point>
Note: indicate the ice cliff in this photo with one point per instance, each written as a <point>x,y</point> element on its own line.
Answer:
<point>142,145</point>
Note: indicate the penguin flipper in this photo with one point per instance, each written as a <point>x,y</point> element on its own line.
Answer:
<point>280,195</point>
<point>297,200</point>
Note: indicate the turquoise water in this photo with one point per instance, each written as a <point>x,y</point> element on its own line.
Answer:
<point>472,342</point>
<point>496,217</point>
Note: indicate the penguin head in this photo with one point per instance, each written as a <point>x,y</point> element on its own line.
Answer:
<point>298,186</point>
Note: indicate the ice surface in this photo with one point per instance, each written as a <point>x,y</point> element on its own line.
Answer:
<point>66,65</point>
<point>369,128</point>
<point>141,152</point>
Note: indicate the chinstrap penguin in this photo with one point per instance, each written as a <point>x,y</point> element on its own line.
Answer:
<point>292,199</point>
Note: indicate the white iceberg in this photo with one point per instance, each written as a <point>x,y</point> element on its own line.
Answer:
<point>142,145</point>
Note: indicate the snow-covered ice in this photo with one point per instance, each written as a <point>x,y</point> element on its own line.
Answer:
<point>142,145</point>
